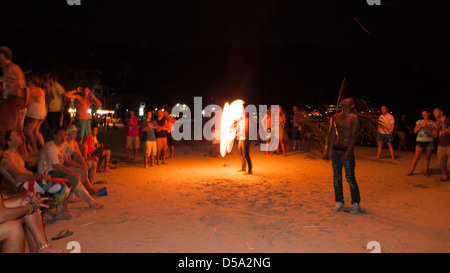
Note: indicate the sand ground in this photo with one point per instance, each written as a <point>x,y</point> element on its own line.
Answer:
<point>200,204</point>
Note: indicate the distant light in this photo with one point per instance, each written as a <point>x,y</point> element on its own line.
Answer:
<point>104,112</point>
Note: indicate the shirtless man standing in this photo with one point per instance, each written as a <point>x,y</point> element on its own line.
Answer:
<point>83,97</point>
<point>14,103</point>
<point>344,126</point>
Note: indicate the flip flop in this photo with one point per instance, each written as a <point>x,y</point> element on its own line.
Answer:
<point>442,180</point>
<point>100,182</point>
<point>62,234</point>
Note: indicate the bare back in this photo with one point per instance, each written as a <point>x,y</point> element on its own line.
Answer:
<point>346,128</point>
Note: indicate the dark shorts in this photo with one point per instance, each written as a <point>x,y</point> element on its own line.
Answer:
<point>384,138</point>
<point>425,145</point>
<point>84,127</point>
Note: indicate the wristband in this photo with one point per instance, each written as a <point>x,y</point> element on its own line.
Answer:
<point>34,207</point>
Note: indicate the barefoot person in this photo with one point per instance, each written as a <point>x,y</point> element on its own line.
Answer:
<point>16,212</point>
<point>170,141</point>
<point>53,155</point>
<point>161,137</point>
<point>402,130</point>
<point>244,139</point>
<point>424,141</point>
<point>36,113</point>
<point>24,180</point>
<point>341,140</point>
<point>132,136</point>
<point>266,123</point>
<point>149,139</point>
<point>282,123</point>
<point>442,131</point>
<point>385,130</point>
<point>83,97</point>
<point>74,159</point>
<point>97,150</point>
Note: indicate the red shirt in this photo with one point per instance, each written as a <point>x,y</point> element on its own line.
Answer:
<point>132,126</point>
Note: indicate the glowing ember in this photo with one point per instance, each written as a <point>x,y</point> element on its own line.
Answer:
<point>231,115</point>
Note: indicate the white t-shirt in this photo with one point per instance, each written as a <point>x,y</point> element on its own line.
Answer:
<point>52,154</point>
<point>388,121</point>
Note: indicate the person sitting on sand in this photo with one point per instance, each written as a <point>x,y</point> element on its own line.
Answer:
<point>73,159</point>
<point>24,180</point>
<point>18,211</point>
<point>52,156</point>
<point>96,149</point>
<point>341,140</point>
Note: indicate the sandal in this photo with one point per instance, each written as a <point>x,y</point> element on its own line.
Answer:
<point>62,234</point>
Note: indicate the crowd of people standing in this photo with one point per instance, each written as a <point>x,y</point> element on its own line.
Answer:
<point>68,154</point>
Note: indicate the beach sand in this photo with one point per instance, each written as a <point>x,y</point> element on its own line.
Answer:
<point>201,204</point>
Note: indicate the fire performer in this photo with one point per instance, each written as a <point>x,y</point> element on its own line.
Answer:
<point>344,125</point>
<point>244,150</point>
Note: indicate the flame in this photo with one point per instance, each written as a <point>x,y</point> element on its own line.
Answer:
<point>231,114</point>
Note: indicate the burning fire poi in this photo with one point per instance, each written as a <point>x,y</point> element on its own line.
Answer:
<point>232,113</point>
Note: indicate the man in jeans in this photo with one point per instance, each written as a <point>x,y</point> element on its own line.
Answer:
<point>341,140</point>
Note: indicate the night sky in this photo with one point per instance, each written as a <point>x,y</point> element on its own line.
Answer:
<point>265,52</point>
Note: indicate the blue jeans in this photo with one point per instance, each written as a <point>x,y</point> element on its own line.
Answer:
<point>349,167</point>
